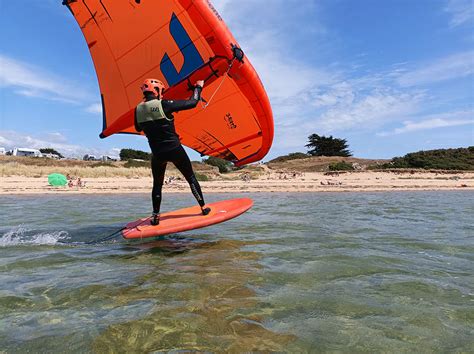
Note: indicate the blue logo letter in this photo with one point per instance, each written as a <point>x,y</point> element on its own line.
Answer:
<point>192,58</point>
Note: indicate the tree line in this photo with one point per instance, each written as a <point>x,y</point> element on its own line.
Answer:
<point>317,145</point>
<point>440,159</point>
<point>444,159</point>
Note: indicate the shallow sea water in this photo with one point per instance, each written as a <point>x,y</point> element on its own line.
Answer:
<point>350,272</point>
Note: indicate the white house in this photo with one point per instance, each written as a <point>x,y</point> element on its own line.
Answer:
<point>106,158</point>
<point>26,152</point>
<point>51,156</point>
<point>2,151</point>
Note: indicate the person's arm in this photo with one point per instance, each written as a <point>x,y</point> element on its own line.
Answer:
<point>170,106</point>
<point>137,126</point>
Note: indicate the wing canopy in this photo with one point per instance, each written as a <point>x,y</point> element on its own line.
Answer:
<point>178,42</point>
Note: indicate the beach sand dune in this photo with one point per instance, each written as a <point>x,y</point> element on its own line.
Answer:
<point>267,182</point>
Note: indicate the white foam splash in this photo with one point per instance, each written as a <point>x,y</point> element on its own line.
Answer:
<point>20,236</point>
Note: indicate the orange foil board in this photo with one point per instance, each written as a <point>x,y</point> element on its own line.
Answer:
<point>187,219</point>
<point>177,42</point>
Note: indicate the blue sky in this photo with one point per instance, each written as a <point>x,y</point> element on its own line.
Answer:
<point>391,77</point>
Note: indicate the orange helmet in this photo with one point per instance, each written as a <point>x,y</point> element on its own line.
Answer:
<point>153,85</point>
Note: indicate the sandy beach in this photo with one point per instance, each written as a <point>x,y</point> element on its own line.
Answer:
<point>270,182</point>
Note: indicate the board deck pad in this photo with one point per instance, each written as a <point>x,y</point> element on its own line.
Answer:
<point>187,219</point>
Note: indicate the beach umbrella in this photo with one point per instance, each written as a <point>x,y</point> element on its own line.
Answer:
<point>57,179</point>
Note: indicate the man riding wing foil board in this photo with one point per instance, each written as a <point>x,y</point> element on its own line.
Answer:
<point>154,116</point>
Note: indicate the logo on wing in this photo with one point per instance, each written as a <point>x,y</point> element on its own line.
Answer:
<point>230,121</point>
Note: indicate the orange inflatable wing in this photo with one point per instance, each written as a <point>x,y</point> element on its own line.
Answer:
<point>178,42</point>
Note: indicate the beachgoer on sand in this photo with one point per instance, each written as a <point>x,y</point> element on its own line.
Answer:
<point>154,116</point>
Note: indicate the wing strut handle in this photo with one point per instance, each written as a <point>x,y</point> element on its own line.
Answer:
<point>239,55</point>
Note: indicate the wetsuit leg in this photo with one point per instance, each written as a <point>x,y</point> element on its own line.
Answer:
<point>158,169</point>
<point>183,164</point>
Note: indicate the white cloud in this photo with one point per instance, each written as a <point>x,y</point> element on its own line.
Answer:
<point>341,93</point>
<point>462,11</point>
<point>369,111</point>
<point>442,120</point>
<point>95,108</point>
<point>286,79</point>
<point>347,106</point>
<point>31,81</point>
<point>56,137</point>
<point>452,67</point>
<point>11,139</point>
<point>4,142</point>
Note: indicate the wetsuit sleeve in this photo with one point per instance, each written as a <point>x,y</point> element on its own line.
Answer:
<point>170,106</point>
<point>137,126</point>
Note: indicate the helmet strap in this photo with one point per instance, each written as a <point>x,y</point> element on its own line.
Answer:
<point>149,95</point>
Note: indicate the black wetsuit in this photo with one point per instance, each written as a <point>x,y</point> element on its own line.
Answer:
<point>166,147</point>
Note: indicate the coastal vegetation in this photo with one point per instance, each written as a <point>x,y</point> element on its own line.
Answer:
<point>131,154</point>
<point>51,151</point>
<point>341,166</point>
<point>40,167</point>
<point>136,163</point>
<point>291,156</point>
<point>441,159</point>
<point>214,168</point>
<point>323,163</point>
<point>103,164</point>
<point>201,177</point>
<point>223,165</point>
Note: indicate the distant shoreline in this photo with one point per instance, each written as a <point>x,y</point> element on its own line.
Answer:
<point>29,176</point>
<point>313,182</point>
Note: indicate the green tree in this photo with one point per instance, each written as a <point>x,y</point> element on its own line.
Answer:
<point>223,165</point>
<point>327,146</point>
<point>130,154</point>
<point>50,151</point>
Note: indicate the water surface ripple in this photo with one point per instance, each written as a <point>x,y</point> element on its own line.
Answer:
<point>352,272</point>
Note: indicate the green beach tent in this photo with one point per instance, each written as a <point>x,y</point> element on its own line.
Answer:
<point>57,179</point>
